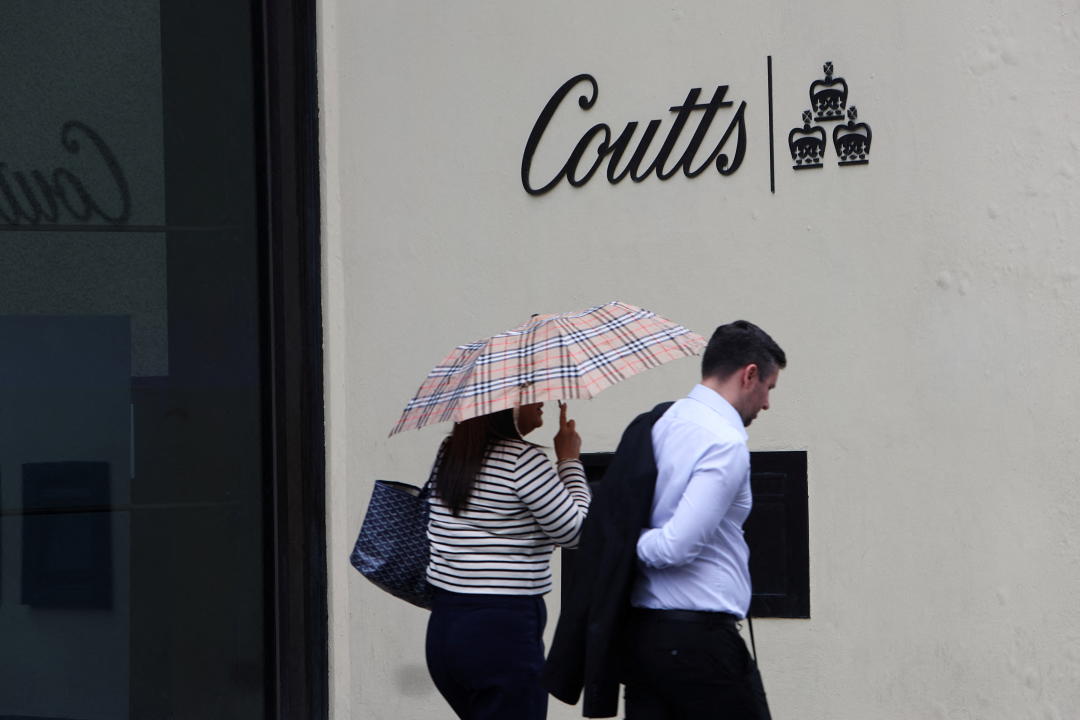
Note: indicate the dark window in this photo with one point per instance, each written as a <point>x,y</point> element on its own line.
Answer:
<point>66,535</point>
<point>161,512</point>
<point>776,531</point>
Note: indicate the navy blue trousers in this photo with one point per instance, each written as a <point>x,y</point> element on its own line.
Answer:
<point>485,653</point>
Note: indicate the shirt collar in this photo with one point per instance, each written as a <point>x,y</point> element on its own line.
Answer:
<point>716,402</point>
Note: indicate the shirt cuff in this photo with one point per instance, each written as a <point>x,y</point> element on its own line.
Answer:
<point>570,470</point>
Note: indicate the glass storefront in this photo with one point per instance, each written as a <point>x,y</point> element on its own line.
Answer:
<point>136,520</point>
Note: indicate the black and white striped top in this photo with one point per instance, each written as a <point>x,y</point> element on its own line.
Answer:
<point>519,510</point>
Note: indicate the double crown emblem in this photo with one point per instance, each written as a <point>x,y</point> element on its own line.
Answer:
<point>851,140</point>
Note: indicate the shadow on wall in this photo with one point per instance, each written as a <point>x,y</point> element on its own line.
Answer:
<point>411,681</point>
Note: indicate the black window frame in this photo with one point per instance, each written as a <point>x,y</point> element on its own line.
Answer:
<point>286,72</point>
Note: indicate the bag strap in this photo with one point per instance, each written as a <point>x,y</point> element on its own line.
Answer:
<point>427,488</point>
<point>753,645</point>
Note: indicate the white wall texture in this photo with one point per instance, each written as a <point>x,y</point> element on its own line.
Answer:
<point>927,301</point>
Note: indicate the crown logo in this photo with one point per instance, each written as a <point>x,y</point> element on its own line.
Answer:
<point>807,144</point>
<point>852,140</point>
<point>828,97</point>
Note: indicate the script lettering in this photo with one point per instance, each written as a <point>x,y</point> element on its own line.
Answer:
<point>613,151</point>
<point>37,197</point>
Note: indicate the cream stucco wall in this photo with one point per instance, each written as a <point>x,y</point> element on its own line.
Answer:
<point>928,303</point>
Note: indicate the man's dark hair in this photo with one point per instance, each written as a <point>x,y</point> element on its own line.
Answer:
<point>736,345</point>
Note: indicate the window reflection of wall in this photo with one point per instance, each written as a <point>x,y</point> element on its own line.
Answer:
<point>98,64</point>
<point>169,87</point>
<point>81,312</point>
<point>75,273</point>
<point>65,409</point>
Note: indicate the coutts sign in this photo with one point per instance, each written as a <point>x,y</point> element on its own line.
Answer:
<point>38,196</point>
<point>625,158</point>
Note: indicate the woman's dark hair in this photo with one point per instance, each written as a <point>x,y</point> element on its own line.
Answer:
<point>463,453</point>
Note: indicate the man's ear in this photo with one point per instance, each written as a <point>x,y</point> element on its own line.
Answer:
<point>750,374</point>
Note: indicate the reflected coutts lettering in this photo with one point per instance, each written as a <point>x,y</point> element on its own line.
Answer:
<point>38,197</point>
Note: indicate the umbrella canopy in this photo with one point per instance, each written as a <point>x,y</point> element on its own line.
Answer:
<point>551,357</point>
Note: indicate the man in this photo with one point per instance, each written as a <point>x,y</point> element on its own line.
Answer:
<point>685,657</point>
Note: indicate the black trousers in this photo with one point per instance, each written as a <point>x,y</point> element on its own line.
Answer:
<point>690,666</point>
<point>485,653</point>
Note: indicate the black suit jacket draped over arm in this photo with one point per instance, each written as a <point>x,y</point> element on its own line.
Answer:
<point>586,652</point>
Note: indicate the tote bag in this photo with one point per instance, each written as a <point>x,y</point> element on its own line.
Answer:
<point>392,548</point>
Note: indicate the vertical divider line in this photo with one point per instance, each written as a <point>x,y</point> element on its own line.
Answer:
<point>772,155</point>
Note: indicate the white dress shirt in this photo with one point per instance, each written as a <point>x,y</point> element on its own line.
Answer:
<point>694,556</point>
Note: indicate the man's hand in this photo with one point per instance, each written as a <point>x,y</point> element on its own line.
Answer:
<point>567,441</point>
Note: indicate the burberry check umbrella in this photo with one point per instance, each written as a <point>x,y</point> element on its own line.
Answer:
<point>568,356</point>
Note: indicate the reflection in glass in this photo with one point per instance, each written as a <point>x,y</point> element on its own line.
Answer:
<point>132,546</point>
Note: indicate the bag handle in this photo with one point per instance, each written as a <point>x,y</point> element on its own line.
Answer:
<point>753,645</point>
<point>428,488</point>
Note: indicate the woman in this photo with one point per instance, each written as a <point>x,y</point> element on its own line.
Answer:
<point>498,508</point>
